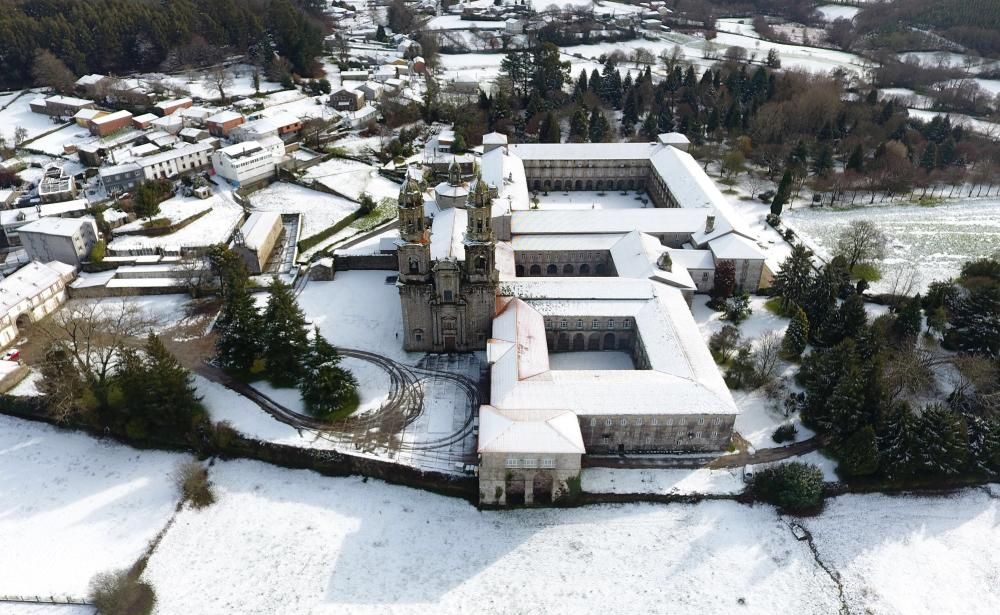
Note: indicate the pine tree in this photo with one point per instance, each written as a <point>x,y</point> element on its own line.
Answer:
<point>897,443</point>
<point>984,444</point>
<point>581,81</point>
<point>856,161</point>
<point>650,129</point>
<point>239,327</point>
<point>285,339</point>
<point>174,401</point>
<point>665,120</point>
<point>794,278</point>
<point>940,440</point>
<point>796,335</point>
<point>598,125</point>
<point>823,161</point>
<point>579,125</point>
<point>858,454</point>
<point>783,193</point>
<point>596,83</point>
<point>327,389</point>
<point>846,403</point>
<point>929,158</point>
<point>630,112</point>
<point>975,322</point>
<point>909,319</point>
<point>549,131</point>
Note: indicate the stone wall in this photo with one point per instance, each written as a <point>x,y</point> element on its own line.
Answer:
<point>519,478</point>
<point>659,433</point>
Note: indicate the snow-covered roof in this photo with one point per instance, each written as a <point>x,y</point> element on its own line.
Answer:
<point>529,431</point>
<point>494,138</point>
<point>446,189</point>
<point>547,243</point>
<point>447,231</point>
<point>735,247</point>
<point>637,255</point>
<point>189,149</point>
<point>145,117</point>
<point>257,227</point>
<point>28,281</point>
<point>9,217</point>
<point>166,104</point>
<point>70,101</point>
<point>111,117</point>
<point>92,79</point>
<point>693,259</point>
<point>64,227</point>
<point>224,116</point>
<point>87,114</point>
<point>673,138</point>
<point>238,150</point>
<point>582,151</point>
<point>682,377</point>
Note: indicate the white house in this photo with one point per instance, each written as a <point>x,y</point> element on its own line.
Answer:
<point>174,162</point>
<point>248,161</point>
<point>30,294</point>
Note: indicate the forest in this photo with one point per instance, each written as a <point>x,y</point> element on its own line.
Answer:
<point>123,36</point>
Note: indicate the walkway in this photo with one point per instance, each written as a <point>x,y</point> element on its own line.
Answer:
<point>691,462</point>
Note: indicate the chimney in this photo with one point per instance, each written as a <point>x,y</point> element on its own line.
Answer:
<point>709,224</point>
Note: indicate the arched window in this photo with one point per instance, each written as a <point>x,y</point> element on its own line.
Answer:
<point>535,270</point>
<point>584,269</point>
<point>551,270</point>
<point>519,271</point>
<point>480,263</point>
<point>567,269</point>
<point>414,265</point>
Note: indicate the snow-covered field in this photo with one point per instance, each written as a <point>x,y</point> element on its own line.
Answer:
<point>663,481</point>
<point>937,240</point>
<point>319,210</point>
<point>831,12</point>
<point>296,542</point>
<point>174,209</point>
<point>350,178</point>
<point>214,227</point>
<point>72,506</point>
<point>19,114</point>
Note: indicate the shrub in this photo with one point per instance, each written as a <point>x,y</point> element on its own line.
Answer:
<point>784,433</point>
<point>97,252</point>
<point>119,593</point>
<point>193,485</point>
<point>794,487</point>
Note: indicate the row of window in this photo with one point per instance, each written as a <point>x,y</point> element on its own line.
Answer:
<point>529,463</point>
<point>655,422</point>
<point>626,323</point>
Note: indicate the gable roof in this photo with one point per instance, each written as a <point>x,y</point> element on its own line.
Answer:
<point>529,431</point>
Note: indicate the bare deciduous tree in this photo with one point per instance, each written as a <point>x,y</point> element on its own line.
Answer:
<point>910,372</point>
<point>221,79</point>
<point>92,335</point>
<point>51,72</point>
<point>861,242</point>
<point>901,280</point>
<point>766,353</point>
<point>196,276</point>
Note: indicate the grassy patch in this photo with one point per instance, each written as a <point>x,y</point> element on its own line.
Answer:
<point>157,223</point>
<point>384,211</point>
<point>868,273</point>
<point>773,305</point>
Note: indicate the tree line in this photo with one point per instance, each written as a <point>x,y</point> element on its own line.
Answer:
<point>123,36</point>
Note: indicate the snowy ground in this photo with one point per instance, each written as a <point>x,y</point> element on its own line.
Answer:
<point>832,12</point>
<point>214,227</point>
<point>297,542</point>
<point>989,129</point>
<point>293,541</point>
<point>19,114</point>
<point>350,178</point>
<point>936,240</point>
<point>662,481</point>
<point>174,209</point>
<point>73,506</point>
<point>319,210</point>
<point>592,200</point>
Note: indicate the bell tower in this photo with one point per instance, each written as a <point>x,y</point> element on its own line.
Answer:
<point>479,241</point>
<point>414,250</point>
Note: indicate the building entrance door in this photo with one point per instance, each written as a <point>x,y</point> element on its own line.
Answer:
<point>449,343</point>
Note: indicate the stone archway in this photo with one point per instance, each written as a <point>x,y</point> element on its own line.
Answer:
<point>594,343</point>
<point>541,488</point>
<point>585,269</point>
<point>600,268</point>
<point>600,185</point>
<point>631,184</point>
<point>590,184</point>
<point>23,321</point>
<point>563,342</point>
<point>568,269</point>
<point>519,271</point>
<point>579,342</point>
<point>609,341</point>
<point>514,486</point>
<point>552,270</point>
<point>579,185</point>
<point>558,185</point>
<point>535,270</point>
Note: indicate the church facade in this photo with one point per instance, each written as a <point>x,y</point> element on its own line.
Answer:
<point>447,280</point>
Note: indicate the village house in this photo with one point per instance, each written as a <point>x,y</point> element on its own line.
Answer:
<point>347,99</point>
<point>222,123</point>
<point>248,161</point>
<point>168,107</point>
<point>30,294</point>
<point>67,240</point>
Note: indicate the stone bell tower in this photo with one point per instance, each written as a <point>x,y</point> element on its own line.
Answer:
<point>414,259</point>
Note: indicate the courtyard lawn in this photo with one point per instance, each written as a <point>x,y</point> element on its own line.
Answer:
<point>319,210</point>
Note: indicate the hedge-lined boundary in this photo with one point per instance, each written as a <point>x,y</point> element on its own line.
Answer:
<point>166,230</point>
<point>330,231</point>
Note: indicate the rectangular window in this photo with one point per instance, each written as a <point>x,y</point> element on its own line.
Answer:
<point>701,421</point>
<point>682,421</point>
<point>627,323</point>
<point>654,422</point>
<point>548,463</point>
<point>697,435</point>
<point>579,324</point>
<point>717,421</point>
<point>670,422</point>
<point>596,324</point>
<point>638,422</point>
<point>608,422</point>
<point>715,435</point>
<point>531,463</point>
<point>611,324</point>
<point>563,324</point>
<point>593,422</point>
<point>448,295</point>
<point>624,422</point>
<point>513,463</point>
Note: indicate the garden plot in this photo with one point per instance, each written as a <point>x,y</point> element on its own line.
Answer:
<point>350,178</point>
<point>214,227</point>
<point>935,240</point>
<point>74,506</point>
<point>174,209</point>
<point>69,134</point>
<point>293,541</point>
<point>319,210</point>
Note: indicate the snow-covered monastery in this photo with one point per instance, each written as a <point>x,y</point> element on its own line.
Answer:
<point>583,313</point>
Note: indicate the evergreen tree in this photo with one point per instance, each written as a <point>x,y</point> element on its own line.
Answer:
<point>596,83</point>
<point>794,278</point>
<point>783,193</point>
<point>650,129</point>
<point>975,322</point>
<point>858,454</point>
<point>725,282</point>
<point>856,161</point>
<point>579,125</point>
<point>823,161</point>
<point>598,125</point>
<point>846,403</point>
<point>581,81</point>
<point>796,335</point>
<point>549,131</point>
<point>239,328</point>
<point>897,443</point>
<point>174,401</point>
<point>909,319</point>
<point>380,34</point>
<point>630,112</point>
<point>929,158</point>
<point>665,120</point>
<point>984,444</point>
<point>284,337</point>
<point>940,441</point>
<point>327,389</point>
